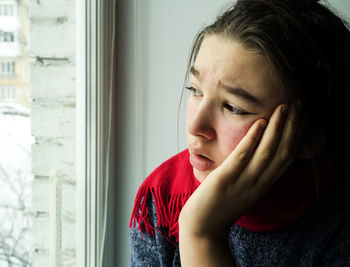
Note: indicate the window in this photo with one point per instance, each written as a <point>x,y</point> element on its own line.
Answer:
<point>53,182</point>
<point>7,92</point>
<point>6,10</point>
<point>7,68</point>
<point>7,37</point>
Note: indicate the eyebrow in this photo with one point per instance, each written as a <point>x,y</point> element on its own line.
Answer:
<point>194,71</point>
<point>239,92</point>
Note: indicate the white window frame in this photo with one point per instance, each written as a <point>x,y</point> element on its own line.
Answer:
<point>7,93</point>
<point>7,68</point>
<point>7,10</point>
<point>95,51</point>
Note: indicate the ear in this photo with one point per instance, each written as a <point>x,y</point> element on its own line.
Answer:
<point>310,148</point>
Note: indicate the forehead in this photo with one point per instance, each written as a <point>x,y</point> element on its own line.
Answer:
<point>222,60</point>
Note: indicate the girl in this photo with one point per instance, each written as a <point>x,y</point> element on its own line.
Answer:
<point>264,181</point>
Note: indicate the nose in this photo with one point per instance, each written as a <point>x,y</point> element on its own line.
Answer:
<point>201,121</point>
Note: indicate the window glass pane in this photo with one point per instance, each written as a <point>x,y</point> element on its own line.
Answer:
<point>37,133</point>
<point>10,10</point>
<point>7,9</point>
<point>7,68</point>
<point>16,239</point>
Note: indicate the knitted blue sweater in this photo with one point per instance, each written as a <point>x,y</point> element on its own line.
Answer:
<point>320,238</point>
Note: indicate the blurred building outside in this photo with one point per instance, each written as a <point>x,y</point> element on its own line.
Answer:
<point>14,65</point>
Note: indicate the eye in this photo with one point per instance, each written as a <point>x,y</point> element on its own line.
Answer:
<point>194,91</point>
<point>235,110</point>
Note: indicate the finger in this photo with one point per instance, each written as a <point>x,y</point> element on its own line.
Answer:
<point>237,160</point>
<point>285,153</point>
<point>268,145</point>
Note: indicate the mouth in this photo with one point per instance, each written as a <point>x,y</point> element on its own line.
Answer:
<point>200,160</point>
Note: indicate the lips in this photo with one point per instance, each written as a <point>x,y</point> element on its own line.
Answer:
<point>200,160</point>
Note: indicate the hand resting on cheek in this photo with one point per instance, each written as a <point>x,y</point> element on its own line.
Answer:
<point>235,186</point>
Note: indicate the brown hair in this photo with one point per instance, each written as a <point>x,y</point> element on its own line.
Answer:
<point>309,48</point>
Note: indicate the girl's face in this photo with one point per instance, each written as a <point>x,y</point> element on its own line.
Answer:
<point>231,87</point>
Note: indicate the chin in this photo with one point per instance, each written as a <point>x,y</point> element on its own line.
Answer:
<point>200,175</point>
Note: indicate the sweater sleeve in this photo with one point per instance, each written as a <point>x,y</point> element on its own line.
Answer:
<point>152,250</point>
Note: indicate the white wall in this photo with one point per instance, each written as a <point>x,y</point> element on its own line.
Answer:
<point>342,8</point>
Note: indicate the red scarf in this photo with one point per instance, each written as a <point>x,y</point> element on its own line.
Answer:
<point>172,183</point>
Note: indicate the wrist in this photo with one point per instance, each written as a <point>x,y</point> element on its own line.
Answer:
<point>206,230</point>
<point>204,250</point>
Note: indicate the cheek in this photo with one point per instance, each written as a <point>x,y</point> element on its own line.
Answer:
<point>190,110</point>
<point>231,135</point>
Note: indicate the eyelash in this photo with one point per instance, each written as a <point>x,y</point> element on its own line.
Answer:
<point>234,110</point>
<point>230,108</point>
<point>193,90</point>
